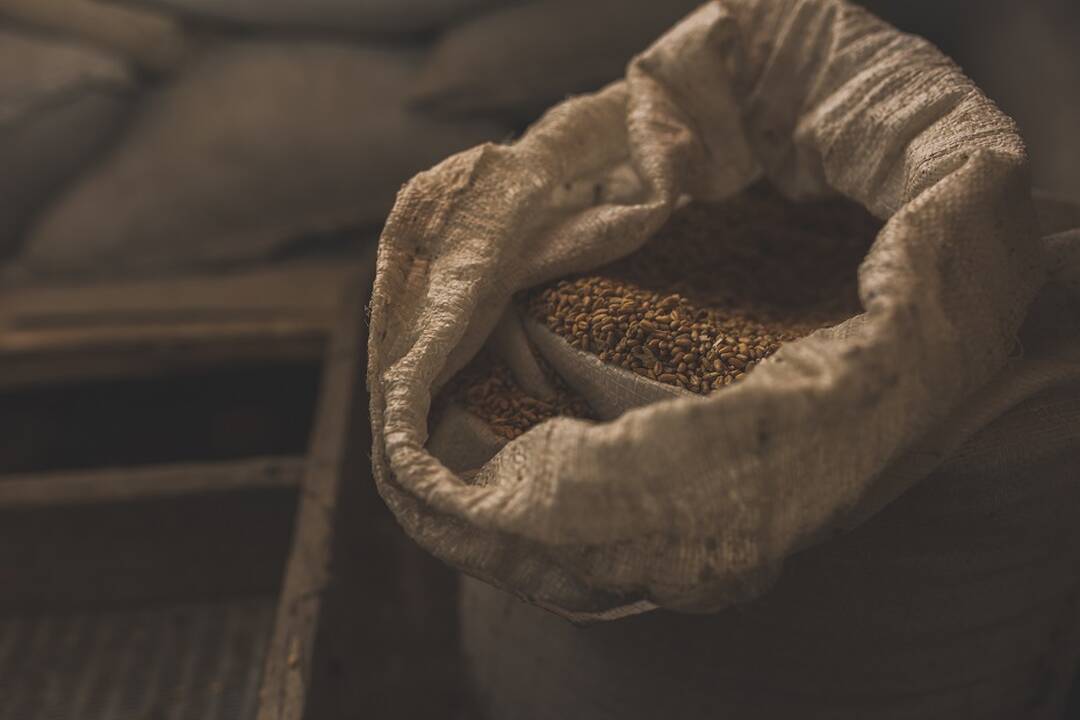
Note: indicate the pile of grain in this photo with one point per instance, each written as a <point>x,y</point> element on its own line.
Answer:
<point>720,288</point>
<point>487,389</point>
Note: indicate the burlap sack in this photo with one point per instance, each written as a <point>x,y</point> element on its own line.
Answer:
<point>690,503</point>
<point>60,104</point>
<point>365,16</point>
<point>258,143</point>
<point>959,599</point>
<point>149,39</point>
<point>519,60</point>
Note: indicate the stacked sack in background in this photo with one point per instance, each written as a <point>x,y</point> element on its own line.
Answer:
<point>154,136</point>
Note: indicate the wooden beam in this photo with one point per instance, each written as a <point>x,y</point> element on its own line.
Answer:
<point>291,671</point>
<point>308,288</point>
<point>152,327</point>
<point>125,484</point>
<point>152,354</point>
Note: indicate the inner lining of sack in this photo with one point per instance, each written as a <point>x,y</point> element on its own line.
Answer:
<point>211,415</point>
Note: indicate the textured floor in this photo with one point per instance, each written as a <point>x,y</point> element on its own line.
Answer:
<point>192,662</point>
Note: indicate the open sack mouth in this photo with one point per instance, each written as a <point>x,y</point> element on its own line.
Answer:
<point>717,291</point>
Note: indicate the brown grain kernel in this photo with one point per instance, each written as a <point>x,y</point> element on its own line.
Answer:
<point>486,388</point>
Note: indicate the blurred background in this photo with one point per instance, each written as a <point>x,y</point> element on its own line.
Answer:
<point>190,191</point>
<point>148,136</point>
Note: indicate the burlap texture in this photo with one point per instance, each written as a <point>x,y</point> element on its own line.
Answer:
<point>692,503</point>
<point>958,600</point>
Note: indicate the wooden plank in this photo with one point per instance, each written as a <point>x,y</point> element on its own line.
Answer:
<point>57,335</point>
<point>49,339</point>
<point>50,334</point>
<point>147,355</point>
<point>291,677</point>
<point>312,288</point>
<point>126,484</point>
